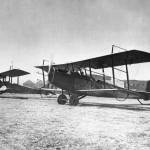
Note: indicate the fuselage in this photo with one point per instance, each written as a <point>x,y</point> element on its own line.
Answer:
<point>75,82</point>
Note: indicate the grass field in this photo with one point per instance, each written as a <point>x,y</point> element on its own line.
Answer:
<point>34,123</point>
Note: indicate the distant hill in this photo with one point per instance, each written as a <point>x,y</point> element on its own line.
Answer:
<point>29,83</point>
<point>39,84</point>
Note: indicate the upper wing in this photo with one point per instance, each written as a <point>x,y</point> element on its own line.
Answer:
<point>13,73</point>
<point>117,59</point>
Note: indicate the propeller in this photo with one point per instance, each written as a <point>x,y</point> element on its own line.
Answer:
<point>51,63</point>
<point>46,68</point>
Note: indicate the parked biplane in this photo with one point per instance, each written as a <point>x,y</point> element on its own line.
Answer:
<point>7,85</point>
<point>76,78</point>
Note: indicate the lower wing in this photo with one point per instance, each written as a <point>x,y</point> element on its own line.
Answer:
<point>52,91</point>
<point>115,93</point>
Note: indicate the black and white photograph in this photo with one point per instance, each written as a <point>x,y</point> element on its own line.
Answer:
<point>74,75</point>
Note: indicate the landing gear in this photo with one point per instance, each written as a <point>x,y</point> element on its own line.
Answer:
<point>74,100</point>
<point>62,99</point>
<point>140,101</point>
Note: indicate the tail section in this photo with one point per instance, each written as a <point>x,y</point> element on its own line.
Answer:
<point>148,86</point>
<point>147,92</point>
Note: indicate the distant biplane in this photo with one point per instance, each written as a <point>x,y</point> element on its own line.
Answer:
<point>76,78</point>
<point>7,86</point>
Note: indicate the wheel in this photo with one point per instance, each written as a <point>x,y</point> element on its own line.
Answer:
<point>73,100</point>
<point>62,99</point>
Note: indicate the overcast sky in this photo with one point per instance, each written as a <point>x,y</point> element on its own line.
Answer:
<point>71,30</point>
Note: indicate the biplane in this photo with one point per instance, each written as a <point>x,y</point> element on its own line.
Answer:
<point>7,85</point>
<point>77,78</point>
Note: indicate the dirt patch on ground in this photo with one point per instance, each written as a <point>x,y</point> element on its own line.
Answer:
<point>96,123</point>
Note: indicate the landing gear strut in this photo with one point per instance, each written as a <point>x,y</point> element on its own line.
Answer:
<point>74,100</point>
<point>140,101</point>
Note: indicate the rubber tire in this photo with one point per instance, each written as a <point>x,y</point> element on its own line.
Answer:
<point>62,99</point>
